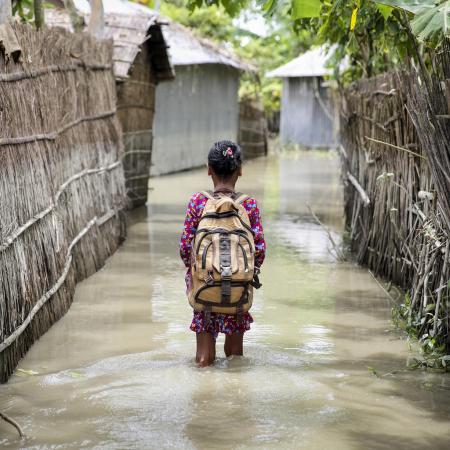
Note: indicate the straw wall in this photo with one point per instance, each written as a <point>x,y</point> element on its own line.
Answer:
<point>252,130</point>
<point>136,107</point>
<point>396,160</point>
<point>61,180</point>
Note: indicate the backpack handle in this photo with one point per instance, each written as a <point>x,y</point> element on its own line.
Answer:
<point>238,197</point>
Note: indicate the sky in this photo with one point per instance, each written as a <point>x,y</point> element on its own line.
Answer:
<point>253,22</point>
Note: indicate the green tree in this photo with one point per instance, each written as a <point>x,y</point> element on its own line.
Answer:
<point>361,28</point>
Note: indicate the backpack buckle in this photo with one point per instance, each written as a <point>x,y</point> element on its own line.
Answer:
<point>255,282</point>
<point>209,280</point>
<point>225,272</point>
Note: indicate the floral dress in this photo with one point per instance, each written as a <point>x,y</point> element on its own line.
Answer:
<point>219,323</point>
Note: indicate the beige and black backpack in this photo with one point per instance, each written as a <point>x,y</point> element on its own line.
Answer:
<point>223,257</point>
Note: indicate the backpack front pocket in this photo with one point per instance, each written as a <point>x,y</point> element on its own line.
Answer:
<point>210,295</point>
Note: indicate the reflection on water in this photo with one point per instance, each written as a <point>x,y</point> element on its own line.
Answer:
<point>117,371</point>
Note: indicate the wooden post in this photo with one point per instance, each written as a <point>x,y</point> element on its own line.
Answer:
<point>76,19</point>
<point>96,24</point>
<point>38,14</point>
<point>5,11</point>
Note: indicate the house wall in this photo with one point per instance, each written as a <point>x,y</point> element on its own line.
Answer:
<point>135,108</point>
<point>303,119</point>
<point>196,109</point>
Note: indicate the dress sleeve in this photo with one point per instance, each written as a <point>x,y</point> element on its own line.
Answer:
<point>193,214</point>
<point>255,221</point>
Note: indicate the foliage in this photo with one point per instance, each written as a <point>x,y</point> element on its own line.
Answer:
<point>211,22</point>
<point>432,23</point>
<point>372,38</point>
<point>24,9</point>
<point>431,347</point>
<point>149,3</point>
<point>362,27</point>
<point>232,7</point>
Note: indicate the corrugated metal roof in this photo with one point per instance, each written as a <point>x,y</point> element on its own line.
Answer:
<point>185,48</point>
<point>309,64</point>
<point>128,24</point>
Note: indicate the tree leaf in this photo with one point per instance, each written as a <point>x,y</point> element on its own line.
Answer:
<point>385,10</point>
<point>302,9</point>
<point>431,23</point>
<point>353,19</point>
<point>267,6</point>
<point>413,6</point>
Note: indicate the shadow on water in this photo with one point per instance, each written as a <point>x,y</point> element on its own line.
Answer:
<point>323,367</point>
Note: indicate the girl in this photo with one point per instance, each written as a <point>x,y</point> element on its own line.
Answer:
<point>224,167</point>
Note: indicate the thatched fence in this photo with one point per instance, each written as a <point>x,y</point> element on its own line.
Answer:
<point>62,186</point>
<point>135,109</point>
<point>252,130</point>
<point>396,160</point>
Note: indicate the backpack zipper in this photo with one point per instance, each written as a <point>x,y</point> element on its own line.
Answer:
<point>205,252</point>
<point>222,230</point>
<point>245,256</point>
<point>225,215</point>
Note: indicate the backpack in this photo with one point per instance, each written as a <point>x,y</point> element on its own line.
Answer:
<point>223,258</point>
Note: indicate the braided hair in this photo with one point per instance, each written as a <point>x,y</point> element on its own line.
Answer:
<point>225,158</point>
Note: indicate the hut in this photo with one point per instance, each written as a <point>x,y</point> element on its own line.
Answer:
<point>62,187</point>
<point>307,112</point>
<point>200,106</point>
<point>140,62</point>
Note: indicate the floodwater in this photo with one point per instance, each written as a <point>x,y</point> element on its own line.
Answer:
<point>323,366</point>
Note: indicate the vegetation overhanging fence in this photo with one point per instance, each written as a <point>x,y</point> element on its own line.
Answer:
<point>62,186</point>
<point>395,136</point>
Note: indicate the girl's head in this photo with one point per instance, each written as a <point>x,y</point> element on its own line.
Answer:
<point>225,161</point>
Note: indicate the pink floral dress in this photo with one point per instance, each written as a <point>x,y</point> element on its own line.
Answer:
<point>219,323</point>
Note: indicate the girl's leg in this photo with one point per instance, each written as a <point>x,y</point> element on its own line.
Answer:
<point>234,344</point>
<point>206,349</point>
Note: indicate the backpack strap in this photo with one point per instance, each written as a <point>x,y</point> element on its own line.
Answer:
<point>240,197</point>
<point>208,194</point>
<point>225,267</point>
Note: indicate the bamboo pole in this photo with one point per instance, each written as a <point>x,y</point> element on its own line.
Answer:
<point>76,19</point>
<point>364,197</point>
<point>39,18</point>
<point>5,11</point>
<point>12,422</point>
<point>96,26</point>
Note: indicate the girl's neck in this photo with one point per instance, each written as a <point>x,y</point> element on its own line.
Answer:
<point>224,186</point>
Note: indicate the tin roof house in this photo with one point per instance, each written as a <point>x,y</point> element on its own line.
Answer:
<point>200,106</point>
<point>307,110</point>
<point>141,61</point>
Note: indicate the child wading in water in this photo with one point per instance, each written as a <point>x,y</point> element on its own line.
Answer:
<point>223,256</point>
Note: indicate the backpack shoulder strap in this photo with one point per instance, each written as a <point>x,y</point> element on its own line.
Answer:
<point>208,194</point>
<point>240,197</point>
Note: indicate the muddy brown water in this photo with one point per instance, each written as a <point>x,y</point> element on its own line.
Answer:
<point>117,371</point>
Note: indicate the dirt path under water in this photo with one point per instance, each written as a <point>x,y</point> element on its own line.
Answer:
<point>117,371</point>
